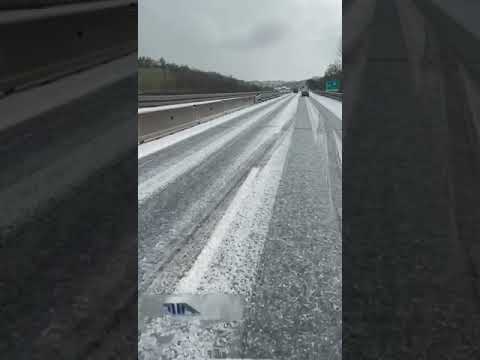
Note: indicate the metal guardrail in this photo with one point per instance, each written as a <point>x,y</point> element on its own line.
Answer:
<point>54,41</point>
<point>266,96</point>
<point>155,123</point>
<point>150,100</point>
<point>332,95</point>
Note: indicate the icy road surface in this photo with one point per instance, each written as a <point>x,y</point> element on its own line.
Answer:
<point>248,204</point>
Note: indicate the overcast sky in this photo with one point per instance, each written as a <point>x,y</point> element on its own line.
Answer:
<point>249,39</point>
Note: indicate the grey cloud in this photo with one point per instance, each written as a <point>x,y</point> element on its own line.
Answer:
<point>259,36</point>
<point>268,34</point>
<point>249,39</point>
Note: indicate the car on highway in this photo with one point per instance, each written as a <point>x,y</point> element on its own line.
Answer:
<point>295,90</point>
<point>305,93</point>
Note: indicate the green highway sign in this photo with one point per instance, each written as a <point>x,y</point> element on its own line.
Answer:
<point>332,85</point>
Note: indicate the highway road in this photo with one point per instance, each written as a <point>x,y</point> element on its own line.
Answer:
<point>67,183</point>
<point>248,204</point>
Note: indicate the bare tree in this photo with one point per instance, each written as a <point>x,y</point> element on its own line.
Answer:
<point>338,60</point>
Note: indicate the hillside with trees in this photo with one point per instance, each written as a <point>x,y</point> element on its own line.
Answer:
<point>160,76</point>
<point>333,72</point>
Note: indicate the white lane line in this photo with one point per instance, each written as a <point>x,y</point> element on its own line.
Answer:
<point>321,140</point>
<point>339,145</point>
<point>162,179</point>
<point>164,142</point>
<point>334,106</point>
<point>229,262</point>
<point>190,283</point>
<point>313,116</point>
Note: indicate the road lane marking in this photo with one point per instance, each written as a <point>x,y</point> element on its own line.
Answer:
<point>244,226</point>
<point>313,116</point>
<point>338,142</point>
<point>322,141</point>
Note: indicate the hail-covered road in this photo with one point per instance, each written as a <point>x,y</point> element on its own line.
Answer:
<point>248,205</point>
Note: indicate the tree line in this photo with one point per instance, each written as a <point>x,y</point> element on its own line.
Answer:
<point>167,77</point>
<point>333,72</point>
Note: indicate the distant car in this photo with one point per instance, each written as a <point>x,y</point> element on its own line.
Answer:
<point>305,93</point>
<point>295,90</point>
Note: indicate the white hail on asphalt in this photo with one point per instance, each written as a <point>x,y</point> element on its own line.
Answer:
<point>229,261</point>
<point>160,180</point>
<point>334,106</point>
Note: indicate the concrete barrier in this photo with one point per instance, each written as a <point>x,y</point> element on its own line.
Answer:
<point>155,123</point>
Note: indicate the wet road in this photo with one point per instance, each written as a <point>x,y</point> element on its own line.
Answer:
<point>248,204</point>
